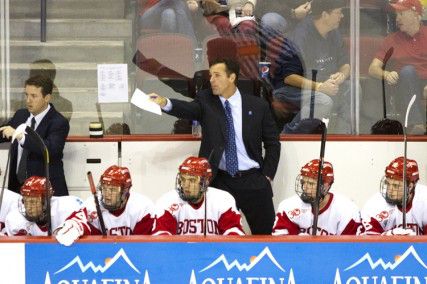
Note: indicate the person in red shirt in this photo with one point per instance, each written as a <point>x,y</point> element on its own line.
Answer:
<point>406,70</point>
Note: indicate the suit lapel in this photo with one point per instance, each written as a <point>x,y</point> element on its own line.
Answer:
<point>41,128</point>
<point>221,117</point>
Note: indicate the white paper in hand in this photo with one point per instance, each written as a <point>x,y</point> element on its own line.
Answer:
<point>141,100</point>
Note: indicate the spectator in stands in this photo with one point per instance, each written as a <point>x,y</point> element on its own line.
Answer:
<point>242,17</point>
<point>286,15</point>
<point>407,68</point>
<point>316,44</point>
<point>382,213</point>
<point>337,214</point>
<point>170,16</point>
<point>118,129</point>
<point>194,208</point>
<point>387,127</point>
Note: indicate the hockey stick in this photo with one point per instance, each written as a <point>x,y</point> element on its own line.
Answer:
<point>6,172</point>
<point>98,208</point>
<point>405,146</point>
<point>35,137</point>
<point>319,180</point>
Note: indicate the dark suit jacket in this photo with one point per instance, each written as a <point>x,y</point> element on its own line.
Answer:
<point>53,129</point>
<point>257,123</point>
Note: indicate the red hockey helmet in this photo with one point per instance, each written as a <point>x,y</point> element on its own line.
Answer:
<point>35,186</point>
<point>189,189</point>
<point>119,177</point>
<point>196,166</point>
<point>311,170</point>
<point>395,170</point>
<point>305,189</point>
<point>33,205</point>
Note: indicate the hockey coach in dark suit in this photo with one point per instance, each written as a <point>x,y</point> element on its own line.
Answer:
<point>235,127</point>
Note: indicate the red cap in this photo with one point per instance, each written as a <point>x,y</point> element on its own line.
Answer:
<point>403,5</point>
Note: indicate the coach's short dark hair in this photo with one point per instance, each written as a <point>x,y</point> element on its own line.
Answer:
<point>231,66</point>
<point>319,6</point>
<point>41,81</point>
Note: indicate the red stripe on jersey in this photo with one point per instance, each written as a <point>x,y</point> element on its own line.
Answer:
<point>165,223</point>
<point>144,226</point>
<point>351,228</point>
<point>229,220</point>
<point>284,223</point>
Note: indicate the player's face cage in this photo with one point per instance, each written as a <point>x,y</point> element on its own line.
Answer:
<point>392,190</point>
<point>191,188</point>
<point>113,197</point>
<point>33,208</point>
<point>305,188</point>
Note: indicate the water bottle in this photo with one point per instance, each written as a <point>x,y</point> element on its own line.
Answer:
<point>196,129</point>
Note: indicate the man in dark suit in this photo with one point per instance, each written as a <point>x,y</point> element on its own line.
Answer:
<point>234,127</point>
<point>26,158</point>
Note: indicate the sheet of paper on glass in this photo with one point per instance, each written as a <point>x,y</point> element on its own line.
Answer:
<point>113,83</point>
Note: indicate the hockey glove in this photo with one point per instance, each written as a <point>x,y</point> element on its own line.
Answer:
<point>69,232</point>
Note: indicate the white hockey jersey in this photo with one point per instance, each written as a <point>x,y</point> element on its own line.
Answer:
<point>378,216</point>
<point>9,203</point>
<point>340,216</point>
<point>61,208</point>
<point>136,218</point>
<point>177,217</point>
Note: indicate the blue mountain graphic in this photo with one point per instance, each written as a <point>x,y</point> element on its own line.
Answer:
<point>121,254</point>
<point>388,265</point>
<point>247,267</point>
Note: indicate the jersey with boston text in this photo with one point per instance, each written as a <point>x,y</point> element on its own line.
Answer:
<point>178,217</point>
<point>378,216</point>
<point>61,208</point>
<point>136,218</point>
<point>340,216</point>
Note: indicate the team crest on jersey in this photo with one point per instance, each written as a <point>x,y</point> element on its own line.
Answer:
<point>383,215</point>
<point>174,207</point>
<point>294,213</point>
<point>92,216</point>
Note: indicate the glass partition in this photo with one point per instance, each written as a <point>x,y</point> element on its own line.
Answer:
<point>289,52</point>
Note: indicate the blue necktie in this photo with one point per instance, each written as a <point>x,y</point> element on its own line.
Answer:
<point>231,161</point>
